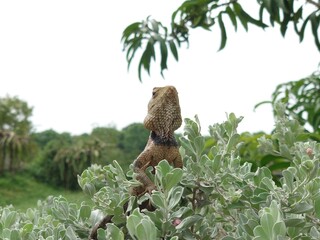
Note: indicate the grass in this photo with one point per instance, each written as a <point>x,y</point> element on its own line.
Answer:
<point>23,192</point>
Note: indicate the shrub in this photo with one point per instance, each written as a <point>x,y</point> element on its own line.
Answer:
<point>215,195</point>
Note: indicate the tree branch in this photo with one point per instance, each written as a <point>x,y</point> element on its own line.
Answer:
<point>317,4</point>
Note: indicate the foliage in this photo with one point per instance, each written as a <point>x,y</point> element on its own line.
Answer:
<point>54,218</point>
<point>302,100</point>
<point>206,14</point>
<point>111,137</point>
<point>15,116</point>
<point>62,156</point>
<point>214,196</point>
<point>15,151</point>
<point>16,147</point>
<point>44,137</point>
<point>133,139</point>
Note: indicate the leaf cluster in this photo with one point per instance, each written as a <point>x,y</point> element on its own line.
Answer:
<point>302,101</point>
<point>216,195</point>
<point>206,14</point>
<point>54,218</point>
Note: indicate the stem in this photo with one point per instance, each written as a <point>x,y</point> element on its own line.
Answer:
<point>317,4</point>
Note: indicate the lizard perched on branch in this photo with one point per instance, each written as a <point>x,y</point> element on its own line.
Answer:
<point>163,118</point>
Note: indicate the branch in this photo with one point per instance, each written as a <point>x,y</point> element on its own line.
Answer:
<point>317,4</point>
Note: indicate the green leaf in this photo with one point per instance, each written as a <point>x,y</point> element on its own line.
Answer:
<point>295,222</point>
<point>303,27</point>
<point>173,178</point>
<point>164,55</point>
<point>173,49</point>
<point>223,32</point>
<point>146,57</point>
<point>279,229</point>
<point>26,229</point>
<point>301,208</point>
<point>155,25</point>
<point>267,222</point>
<point>101,234</point>
<point>233,142</point>
<point>288,179</point>
<point>314,26</point>
<point>232,17</point>
<point>130,29</point>
<point>70,233</point>
<point>146,229</point>
<point>260,234</point>
<point>113,232</point>
<point>10,219</point>
<point>199,143</point>
<point>15,235</point>
<point>268,183</point>
<point>175,195</point>
<point>158,200</point>
<point>85,212</point>
<point>188,221</point>
<point>133,221</point>
<point>314,233</point>
<point>186,144</point>
<point>317,207</point>
<point>238,10</point>
<point>163,168</point>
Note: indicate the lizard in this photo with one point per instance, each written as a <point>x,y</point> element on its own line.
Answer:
<point>163,118</point>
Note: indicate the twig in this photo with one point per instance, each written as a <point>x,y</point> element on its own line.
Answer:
<point>317,4</point>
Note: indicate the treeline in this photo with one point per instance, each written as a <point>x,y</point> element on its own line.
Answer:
<point>57,158</point>
<point>61,157</point>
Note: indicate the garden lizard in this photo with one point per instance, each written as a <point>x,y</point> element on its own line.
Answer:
<point>163,118</point>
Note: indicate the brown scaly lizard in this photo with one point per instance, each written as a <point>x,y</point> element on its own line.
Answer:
<point>163,118</point>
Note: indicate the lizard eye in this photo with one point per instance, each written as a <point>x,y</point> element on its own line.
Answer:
<point>154,92</point>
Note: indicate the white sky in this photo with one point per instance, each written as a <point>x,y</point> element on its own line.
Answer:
<point>65,59</point>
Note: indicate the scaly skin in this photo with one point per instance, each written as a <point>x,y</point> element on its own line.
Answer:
<point>163,118</point>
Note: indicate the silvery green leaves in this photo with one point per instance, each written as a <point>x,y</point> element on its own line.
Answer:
<point>109,188</point>
<point>53,219</point>
<point>214,196</point>
<point>271,225</point>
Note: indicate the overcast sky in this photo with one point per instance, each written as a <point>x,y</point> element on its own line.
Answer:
<point>65,59</point>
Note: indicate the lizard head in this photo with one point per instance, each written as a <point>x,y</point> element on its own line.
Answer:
<point>164,114</point>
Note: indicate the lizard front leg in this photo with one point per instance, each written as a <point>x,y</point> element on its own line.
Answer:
<point>143,161</point>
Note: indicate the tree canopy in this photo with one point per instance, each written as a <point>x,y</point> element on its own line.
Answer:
<point>15,115</point>
<point>150,33</point>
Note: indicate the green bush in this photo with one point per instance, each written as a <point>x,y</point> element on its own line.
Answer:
<point>215,196</point>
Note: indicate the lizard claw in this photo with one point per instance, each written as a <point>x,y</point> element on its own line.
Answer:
<point>150,188</point>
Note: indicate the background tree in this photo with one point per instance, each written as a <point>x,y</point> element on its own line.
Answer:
<point>302,101</point>
<point>110,136</point>
<point>15,115</point>
<point>206,14</point>
<point>133,140</point>
<point>15,127</point>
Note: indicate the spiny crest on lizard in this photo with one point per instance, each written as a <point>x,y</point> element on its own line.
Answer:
<point>164,114</point>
